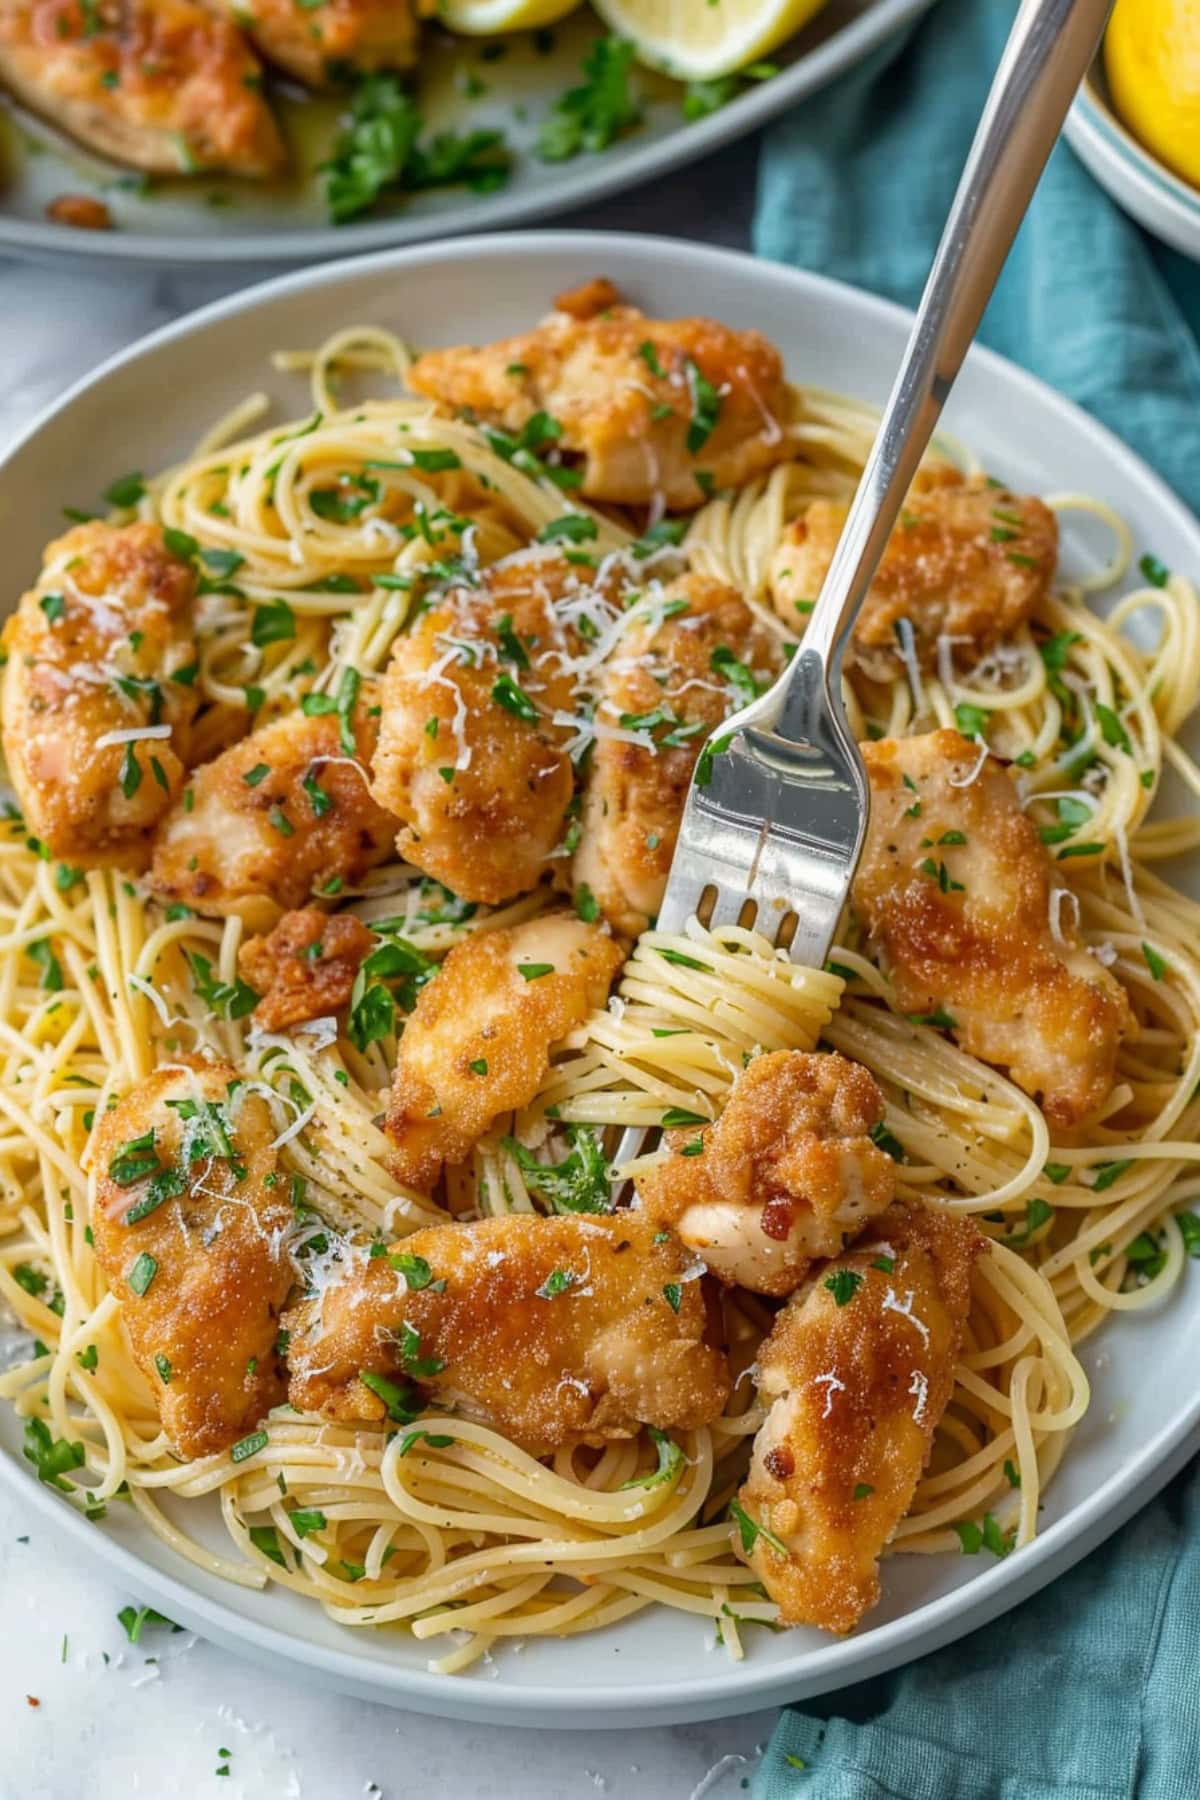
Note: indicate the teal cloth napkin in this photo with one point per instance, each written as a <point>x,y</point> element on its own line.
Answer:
<point>1090,1691</point>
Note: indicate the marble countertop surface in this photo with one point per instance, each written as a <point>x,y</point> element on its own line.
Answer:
<point>89,1713</point>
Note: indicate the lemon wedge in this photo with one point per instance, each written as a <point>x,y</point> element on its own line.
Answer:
<point>1152,60</point>
<point>701,40</point>
<point>481,18</point>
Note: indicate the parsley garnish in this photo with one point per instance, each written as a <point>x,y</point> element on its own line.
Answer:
<point>592,115</point>
<point>750,1531</point>
<point>843,1284</point>
<point>577,1184</point>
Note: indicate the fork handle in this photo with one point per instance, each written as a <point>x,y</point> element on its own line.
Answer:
<point>1047,55</point>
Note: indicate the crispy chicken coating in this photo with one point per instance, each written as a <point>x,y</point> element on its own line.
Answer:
<point>190,1230</point>
<point>283,814</point>
<point>305,968</point>
<point>968,563</point>
<point>860,1367</point>
<point>787,1174</point>
<point>101,646</point>
<point>478,1041</point>
<point>320,45</point>
<point>553,1330</point>
<point>469,756</point>
<point>167,86</point>
<point>698,657</point>
<point>955,889</point>
<point>659,410</point>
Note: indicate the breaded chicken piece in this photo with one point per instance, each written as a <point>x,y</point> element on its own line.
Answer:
<point>320,45</point>
<point>166,86</point>
<point>787,1174</point>
<point>305,968</point>
<point>283,814</point>
<point>649,405</point>
<point>954,889</point>
<point>554,1331</point>
<point>468,755</point>
<point>102,645</point>
<point>189,1229</point>
<point>676,676</point>
<point>478,1041</point>
<point>968,562</point>
<point>860,1366</point>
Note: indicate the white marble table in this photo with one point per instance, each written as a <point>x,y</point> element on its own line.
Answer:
<point>110,1723</point>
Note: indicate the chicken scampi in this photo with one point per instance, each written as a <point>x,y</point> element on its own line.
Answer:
<point>167,86</point>
<point>479,1039</point>
<point>190,1226</point>
<point>957,892</point>
<point>417,860</point>
<point>554,1331</point>
<point>657,410</point>
<point>99,692</point>
<point>787,1174</point>
<point>966,566</point>
<point>858,1369</point>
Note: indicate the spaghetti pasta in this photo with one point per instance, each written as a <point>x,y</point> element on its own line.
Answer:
<point>315,539</point>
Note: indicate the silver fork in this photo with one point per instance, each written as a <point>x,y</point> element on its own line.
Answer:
<point>775,819</point>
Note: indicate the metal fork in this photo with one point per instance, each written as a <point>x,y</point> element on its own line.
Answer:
<point>775,819</point>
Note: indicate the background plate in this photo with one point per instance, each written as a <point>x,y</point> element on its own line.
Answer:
<point>660,1667</point>
<point>220,221</point>
<point>1137,181</point>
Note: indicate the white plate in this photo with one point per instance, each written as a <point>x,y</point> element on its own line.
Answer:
<point>177,223</point>
<point>660,1667</point>
<point>1137,181</point>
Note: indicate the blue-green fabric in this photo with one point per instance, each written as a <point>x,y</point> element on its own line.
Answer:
<point>858,182</point>
<point>1090,1691</point>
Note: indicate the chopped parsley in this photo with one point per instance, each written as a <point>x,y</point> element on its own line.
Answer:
<point>706,408</point>
<point>843,1284</point>
<point>592,115</point>
<point>142,1273</point>
<point>556,1283</point>
<point>750,1531</point>
<point>51,1456</point>
<point>578,1184</point>
<point>248,1446</point>
<point>377,150</point>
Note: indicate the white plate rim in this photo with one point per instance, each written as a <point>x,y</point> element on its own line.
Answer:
<point>739,1687</point>
<point>1133,175</point>
<point>581,183</point>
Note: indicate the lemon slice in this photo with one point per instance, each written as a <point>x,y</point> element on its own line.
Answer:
<point>480,18</point>
<point>700,40</point>
<point>1152,60</point>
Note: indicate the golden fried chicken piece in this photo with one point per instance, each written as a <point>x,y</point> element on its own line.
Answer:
<point>698,657</point>
<point>787,1174</point>
<point>319,45</point>
<point>968,563</point>
<point>554,1331</point>
<point>860,1366</point>
<point>305,968</point>
<point>189,1229</point>
<point>283,814</point>
<point>166,86</point>
<point>469,755</point>
<point>955,890</point>
<point>478,1041</point>
<point>100,647</point>
<point>650,405</point>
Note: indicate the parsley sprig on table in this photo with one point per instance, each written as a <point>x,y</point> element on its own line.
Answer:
<point>378,149</point>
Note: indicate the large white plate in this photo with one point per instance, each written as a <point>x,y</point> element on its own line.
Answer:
<point>1147,190</point>
<point>143,409</point>
<point>214,220</point>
